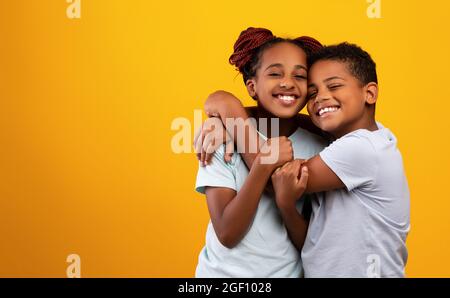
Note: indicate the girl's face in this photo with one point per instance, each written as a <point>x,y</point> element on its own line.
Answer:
<point>280,84</point>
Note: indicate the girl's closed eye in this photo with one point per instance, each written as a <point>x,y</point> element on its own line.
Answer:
<point>274,74</point>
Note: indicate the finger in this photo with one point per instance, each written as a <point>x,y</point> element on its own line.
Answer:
<point>286,165</point>
<point>296,167</point>
<point>202,157</point>
<point>209,153</point>
<point>197,134</point>
<point>198,145</point>
<point>207,140</point>
<point>212,147</point>
<point>303,178</point>
<point>229,149</point>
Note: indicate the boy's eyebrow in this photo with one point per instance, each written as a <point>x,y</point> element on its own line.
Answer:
<point>281,65</point>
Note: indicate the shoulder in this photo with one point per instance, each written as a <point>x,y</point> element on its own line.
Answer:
<point>307,142</point>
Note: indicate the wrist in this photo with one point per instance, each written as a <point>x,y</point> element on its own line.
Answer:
<point>259,162</point>
<point>287,209</point>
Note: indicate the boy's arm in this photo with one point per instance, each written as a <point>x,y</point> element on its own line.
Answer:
<point>226,105</point>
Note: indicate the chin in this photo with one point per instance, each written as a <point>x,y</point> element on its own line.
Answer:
<point>326,126</point>
<point>286,113</point>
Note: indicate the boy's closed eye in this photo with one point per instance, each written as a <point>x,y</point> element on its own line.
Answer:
<point>334,86</point>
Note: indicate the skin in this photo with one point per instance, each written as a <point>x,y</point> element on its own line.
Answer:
<point>331,84</point>
<point>282,71</point>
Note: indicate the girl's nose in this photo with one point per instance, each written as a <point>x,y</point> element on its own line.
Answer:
<point>286,84</point>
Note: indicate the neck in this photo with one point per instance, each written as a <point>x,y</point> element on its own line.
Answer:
<point>366,122</point>
<point>287,126</point>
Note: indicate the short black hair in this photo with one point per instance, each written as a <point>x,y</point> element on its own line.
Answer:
<point>358,61</point>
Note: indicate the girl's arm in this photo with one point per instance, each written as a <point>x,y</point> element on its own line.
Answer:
<point>226,105</point>
<point>232,213</point>
<point>289,183</point>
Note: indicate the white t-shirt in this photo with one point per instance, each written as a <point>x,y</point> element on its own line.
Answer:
<point>266,250</point>
<point>360,231</point>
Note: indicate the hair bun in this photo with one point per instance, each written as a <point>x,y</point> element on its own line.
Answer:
<point>249,40</point>
<point>310,44</point>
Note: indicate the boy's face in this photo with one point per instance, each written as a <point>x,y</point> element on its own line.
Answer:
<point>280,85</point>
<point>337,101</point>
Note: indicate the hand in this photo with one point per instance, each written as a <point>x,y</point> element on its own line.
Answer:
<point>209,138</point>
<point>276,152</point>
<point>289,183</point>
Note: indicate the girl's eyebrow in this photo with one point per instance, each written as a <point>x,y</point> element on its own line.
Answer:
<point>298,66</point>
<point>301,67</point>
<point>274,65</point>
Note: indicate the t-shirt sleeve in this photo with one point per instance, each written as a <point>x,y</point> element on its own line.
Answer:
<point>217,174</point>
<point>353,159</point>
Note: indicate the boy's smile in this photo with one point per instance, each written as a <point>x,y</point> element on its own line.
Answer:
<point>338,101</point>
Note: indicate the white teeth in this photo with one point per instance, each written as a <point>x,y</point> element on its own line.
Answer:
<point>286,98</point>
<point>327,110</point>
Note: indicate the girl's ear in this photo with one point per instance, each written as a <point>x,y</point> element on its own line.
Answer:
<point>251,88</point>
<point>371,93</point>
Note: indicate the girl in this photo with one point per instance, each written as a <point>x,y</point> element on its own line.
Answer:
<point>246,236</point>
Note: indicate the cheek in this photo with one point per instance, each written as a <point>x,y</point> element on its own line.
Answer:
<point>309,107</point>
<point>303,87</point>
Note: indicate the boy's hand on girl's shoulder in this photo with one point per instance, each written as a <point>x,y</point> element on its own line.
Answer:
<point>209,138</point>
<point>289,183</point>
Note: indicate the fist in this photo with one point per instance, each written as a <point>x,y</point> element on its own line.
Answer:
<point>289,183</point>
<point>276,152</point>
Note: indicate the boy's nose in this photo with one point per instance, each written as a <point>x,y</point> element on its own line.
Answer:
<point>321,97</point>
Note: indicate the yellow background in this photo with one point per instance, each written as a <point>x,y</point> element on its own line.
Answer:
<point>86,107</point>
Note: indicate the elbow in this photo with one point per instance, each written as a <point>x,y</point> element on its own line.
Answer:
<point>227,240</point>
<point>219,93</point>
<point>220,97</point>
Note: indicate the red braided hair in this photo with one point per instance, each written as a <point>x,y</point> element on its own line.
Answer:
<point>252,39</point>
<point>249,40</point>
<point>310,44</point>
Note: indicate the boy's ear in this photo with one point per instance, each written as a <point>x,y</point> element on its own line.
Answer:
<point>371,93</point>
<point>251,88</point>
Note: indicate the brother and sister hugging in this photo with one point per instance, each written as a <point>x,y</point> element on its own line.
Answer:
<point>333,201</point>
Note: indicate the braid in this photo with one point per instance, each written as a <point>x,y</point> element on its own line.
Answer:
<point>244,48</point>
<point>308,44</point>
